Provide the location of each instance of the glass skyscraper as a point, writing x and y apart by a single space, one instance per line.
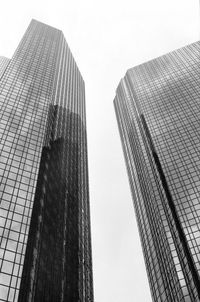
45 251
157 106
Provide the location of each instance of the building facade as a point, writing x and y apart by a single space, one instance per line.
157 106
3 64
44 211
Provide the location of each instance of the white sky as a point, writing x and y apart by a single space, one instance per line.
107 38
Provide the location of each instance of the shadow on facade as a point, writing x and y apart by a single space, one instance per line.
51 266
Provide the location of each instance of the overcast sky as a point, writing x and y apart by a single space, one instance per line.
106 38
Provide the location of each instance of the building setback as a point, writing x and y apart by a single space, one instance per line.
44 211
157 106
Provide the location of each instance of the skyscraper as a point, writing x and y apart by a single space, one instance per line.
157 106
44 210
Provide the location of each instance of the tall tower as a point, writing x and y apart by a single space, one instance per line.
157 106
44 210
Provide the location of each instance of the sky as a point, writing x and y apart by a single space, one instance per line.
106 38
